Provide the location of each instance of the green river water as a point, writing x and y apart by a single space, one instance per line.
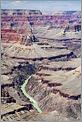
33 102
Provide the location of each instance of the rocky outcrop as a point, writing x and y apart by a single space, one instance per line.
51 98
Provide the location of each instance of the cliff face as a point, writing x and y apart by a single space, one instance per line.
50 98
15 23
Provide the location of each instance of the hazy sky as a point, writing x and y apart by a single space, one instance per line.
43 5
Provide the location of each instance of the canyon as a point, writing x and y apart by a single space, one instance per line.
41 69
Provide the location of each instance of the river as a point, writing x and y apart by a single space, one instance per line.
33 102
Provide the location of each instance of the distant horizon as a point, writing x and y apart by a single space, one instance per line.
46 6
